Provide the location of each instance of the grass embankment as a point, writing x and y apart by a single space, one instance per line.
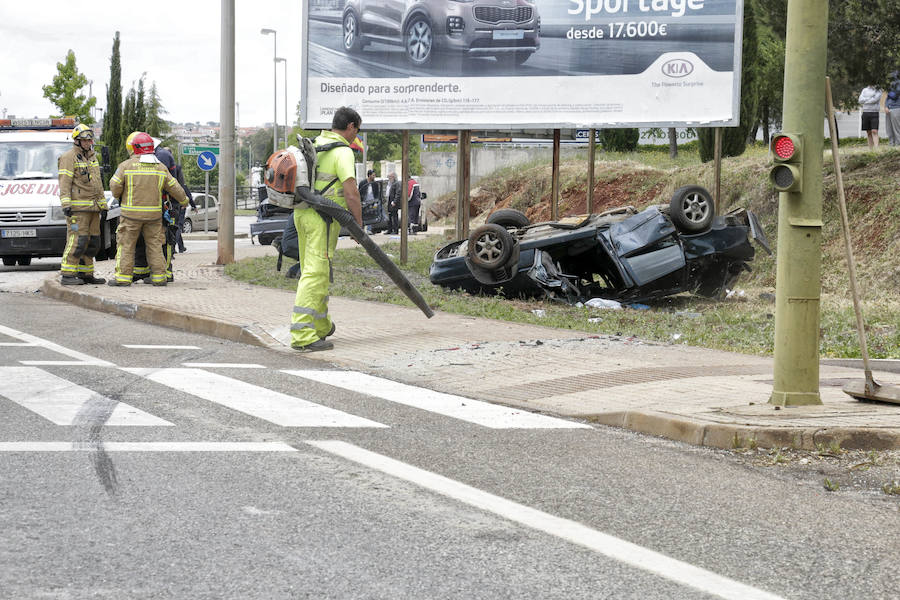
743 323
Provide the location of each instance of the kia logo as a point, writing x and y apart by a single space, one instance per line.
677 67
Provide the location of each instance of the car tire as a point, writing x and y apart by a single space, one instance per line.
9 261
418 41
351 34
692 209
267 239
490 246
24 261
509 218
187 226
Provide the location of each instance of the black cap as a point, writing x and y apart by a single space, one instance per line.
370 172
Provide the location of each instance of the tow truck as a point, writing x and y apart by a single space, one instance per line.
32 224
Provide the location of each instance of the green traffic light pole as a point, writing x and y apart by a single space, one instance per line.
799 254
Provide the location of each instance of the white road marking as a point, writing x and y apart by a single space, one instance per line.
159 347
147 447
83 359
275 407
65 403
201 365
616 548
18 344
457 407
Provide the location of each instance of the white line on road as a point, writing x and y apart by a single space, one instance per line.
83 359
202 365
159 347
571 531
65 403
457 407
18 344
147 447
262 403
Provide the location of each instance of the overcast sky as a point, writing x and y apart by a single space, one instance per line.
177 44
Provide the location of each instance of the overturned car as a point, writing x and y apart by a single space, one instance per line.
620 254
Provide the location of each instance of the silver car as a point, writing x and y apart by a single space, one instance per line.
508 30
204 217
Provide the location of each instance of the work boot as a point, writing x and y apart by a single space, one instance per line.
316 346
71 280
170 278
330 331
93 280
159 283
117 283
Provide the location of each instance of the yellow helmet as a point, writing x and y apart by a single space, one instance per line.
82 132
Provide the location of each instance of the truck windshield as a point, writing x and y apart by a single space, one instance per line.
30 160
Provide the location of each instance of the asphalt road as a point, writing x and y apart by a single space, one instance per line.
217 470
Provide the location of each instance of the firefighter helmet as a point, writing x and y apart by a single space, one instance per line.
82 132
139 142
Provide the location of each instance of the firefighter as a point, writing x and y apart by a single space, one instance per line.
81 195
139 183
336 171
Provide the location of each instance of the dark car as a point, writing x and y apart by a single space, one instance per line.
271 219
621 254
508 30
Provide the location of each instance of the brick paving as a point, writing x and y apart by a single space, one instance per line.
691 394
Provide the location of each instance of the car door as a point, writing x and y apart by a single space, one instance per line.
212 208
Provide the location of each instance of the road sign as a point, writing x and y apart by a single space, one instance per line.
199 149
206 160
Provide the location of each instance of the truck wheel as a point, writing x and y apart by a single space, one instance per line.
24 261
9 261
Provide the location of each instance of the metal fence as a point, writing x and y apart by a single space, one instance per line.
245 197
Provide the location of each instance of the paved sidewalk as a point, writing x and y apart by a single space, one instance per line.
695 395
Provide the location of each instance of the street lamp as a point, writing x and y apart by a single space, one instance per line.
274 33
286 125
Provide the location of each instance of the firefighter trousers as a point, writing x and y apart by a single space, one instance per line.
316 242
82 243
127 235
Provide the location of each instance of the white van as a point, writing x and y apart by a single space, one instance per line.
32 224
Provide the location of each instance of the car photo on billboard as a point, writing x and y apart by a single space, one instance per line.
507 30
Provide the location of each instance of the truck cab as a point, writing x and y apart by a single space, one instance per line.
32 224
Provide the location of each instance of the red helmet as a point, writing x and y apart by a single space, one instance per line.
139 143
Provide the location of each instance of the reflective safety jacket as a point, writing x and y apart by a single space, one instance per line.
80 186
139 184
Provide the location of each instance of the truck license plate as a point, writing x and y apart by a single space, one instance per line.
509 34
18 233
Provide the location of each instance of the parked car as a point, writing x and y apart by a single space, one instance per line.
205 217
621 254
509 30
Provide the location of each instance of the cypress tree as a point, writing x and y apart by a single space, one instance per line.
112 121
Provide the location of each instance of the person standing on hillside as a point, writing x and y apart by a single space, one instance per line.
871 101
393 196
318 236
892 109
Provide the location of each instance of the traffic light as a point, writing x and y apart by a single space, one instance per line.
787 151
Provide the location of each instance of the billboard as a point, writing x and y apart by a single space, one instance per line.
503 64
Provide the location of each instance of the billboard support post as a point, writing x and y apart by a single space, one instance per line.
554 191
718 170
404 198
463 163
591 153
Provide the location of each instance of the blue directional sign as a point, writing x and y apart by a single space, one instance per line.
206 161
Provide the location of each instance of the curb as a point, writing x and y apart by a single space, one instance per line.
728 436
165 317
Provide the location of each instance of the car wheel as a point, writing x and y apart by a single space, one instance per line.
9 261
509 218
352 42
691 209
266 240
24 261
187 226
490 246
419 41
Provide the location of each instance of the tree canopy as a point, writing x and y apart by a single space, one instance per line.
63 92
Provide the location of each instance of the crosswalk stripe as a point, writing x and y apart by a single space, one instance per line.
457 407
65 403
147 447
83 359
269 405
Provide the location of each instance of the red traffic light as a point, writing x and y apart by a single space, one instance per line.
783 147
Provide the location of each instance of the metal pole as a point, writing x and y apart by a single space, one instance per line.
206 201
799 255
591 153
404 197
554 194
287 127
266 31
226 139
